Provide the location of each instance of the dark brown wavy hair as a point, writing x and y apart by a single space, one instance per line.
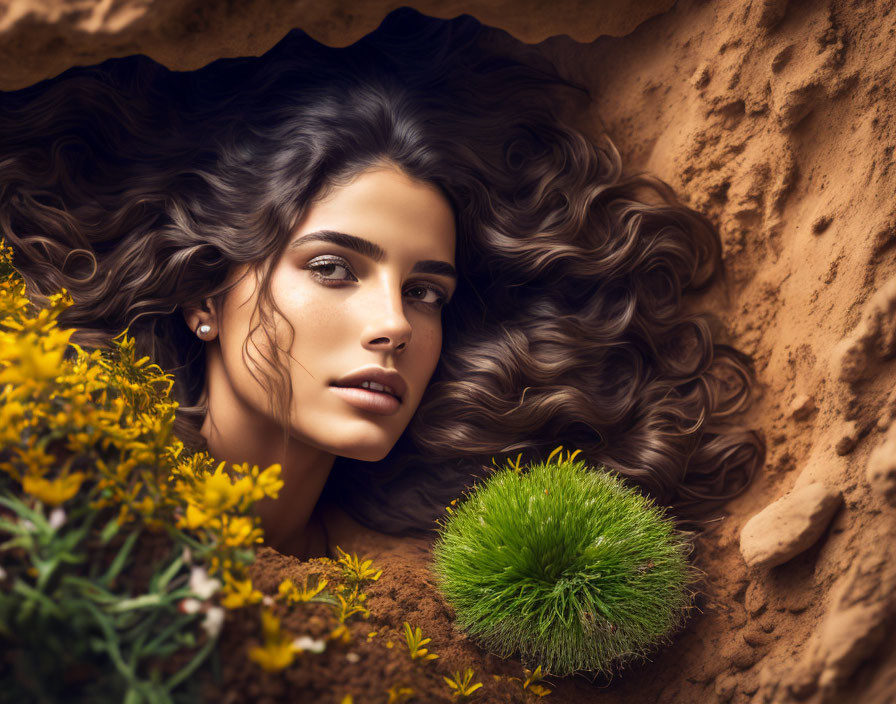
138 189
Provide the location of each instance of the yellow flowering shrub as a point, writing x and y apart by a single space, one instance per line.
89 467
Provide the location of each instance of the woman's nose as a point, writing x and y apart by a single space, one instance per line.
387 325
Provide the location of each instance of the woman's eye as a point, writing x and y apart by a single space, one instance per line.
430 295
323 268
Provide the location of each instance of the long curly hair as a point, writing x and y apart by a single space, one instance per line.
138 189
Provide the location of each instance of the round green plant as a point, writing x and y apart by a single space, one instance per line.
565 565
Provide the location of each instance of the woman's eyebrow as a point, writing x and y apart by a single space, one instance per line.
373 251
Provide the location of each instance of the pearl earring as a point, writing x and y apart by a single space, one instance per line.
203 330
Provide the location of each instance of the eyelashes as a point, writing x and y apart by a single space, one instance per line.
321 266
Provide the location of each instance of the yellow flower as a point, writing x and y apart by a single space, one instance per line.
398 694
415 640
32 358
239 593
194 518
216 493
355 570
286 588
240 530
288 591
36 460
278 650
274 656
270 625
462 683
341 632
53 491
351 606
146 506
268 483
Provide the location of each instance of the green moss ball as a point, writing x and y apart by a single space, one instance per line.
566 566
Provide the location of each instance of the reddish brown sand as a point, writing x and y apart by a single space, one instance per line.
776 119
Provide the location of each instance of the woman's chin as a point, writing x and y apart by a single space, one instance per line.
372 455
372 452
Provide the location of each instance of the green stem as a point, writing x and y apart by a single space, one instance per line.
188 670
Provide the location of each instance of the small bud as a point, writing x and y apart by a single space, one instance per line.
201 584
213 621
312 645
57 518
189 605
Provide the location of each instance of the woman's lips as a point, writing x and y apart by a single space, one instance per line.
377 402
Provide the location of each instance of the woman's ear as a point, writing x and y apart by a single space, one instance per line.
202 320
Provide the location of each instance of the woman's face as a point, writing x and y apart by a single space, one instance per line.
362 283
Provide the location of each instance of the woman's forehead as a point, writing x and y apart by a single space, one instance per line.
389 209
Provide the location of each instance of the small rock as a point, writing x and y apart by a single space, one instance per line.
700 77
847 438
771 12
851 359
821 224
755 636
793 105
848 637
788 526
782 58
769 680
874 339
743 657
802 407
756 600
881 468
802 684
798 601
888 412
749 685
725 686
862 603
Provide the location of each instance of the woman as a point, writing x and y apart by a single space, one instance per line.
272 229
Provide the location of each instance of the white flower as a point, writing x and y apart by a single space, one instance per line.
312 645
190 606
201 584
57 518
214 620
27 525
267 600
187 556
352 657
